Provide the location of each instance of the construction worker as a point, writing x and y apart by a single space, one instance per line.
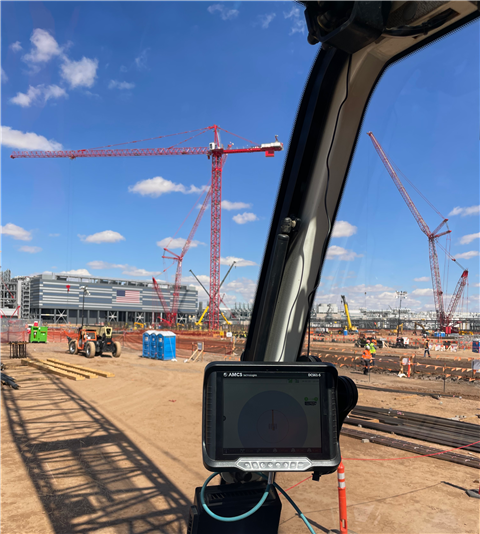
373 351
426 346
366 357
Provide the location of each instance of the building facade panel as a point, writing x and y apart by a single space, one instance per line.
53 296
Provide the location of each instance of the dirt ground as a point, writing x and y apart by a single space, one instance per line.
122 455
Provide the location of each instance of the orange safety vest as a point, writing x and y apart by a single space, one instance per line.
366 354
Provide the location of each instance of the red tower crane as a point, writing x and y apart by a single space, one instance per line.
443 318
215 151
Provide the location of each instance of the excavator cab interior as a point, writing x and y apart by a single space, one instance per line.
357 41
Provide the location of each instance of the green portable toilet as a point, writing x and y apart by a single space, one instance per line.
38 334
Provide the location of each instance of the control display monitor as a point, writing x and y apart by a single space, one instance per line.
270 415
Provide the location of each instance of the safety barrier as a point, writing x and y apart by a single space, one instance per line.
342 499
414 343
396 364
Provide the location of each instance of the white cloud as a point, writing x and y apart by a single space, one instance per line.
135 271
245 287
123 68
141 60
245 217
340 253
464 212
114 84
231 206
204 278
298 23
17 232
54 91
44 47
466 239
422 292
191 281
126 269
38 95
76 272
16 46
4 76
107 236
239 262
155 187
27 140
53 235
343 229
422 279
266 19
177 242
224 12
467 255
98 265
79 73
475 285
30 250
386 295
377 297
363 288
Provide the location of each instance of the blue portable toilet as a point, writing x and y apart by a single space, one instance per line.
476 346
146 343
154 344
166 345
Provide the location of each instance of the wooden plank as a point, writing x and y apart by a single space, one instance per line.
191 357
58 372
105 374
61 366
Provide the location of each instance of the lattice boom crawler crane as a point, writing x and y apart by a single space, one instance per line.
444 318
216 152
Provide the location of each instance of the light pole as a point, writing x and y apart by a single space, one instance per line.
400 295
85 292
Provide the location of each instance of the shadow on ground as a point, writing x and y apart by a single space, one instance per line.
87 473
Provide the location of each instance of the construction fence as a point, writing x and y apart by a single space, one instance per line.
435 343
223 347
408 363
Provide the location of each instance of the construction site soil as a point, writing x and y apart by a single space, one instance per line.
123 455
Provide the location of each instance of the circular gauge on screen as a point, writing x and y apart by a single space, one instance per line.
272 419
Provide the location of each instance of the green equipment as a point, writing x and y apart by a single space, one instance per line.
38 334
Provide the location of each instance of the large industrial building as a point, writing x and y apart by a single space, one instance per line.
60 298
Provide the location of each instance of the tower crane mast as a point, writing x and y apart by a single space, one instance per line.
443 318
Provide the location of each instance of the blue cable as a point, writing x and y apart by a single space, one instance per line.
235 518
296 508
255 508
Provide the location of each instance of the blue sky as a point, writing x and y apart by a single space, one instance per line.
83 75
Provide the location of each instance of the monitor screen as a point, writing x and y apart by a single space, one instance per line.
270 416
274 415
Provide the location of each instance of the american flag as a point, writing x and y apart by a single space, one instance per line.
126 295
